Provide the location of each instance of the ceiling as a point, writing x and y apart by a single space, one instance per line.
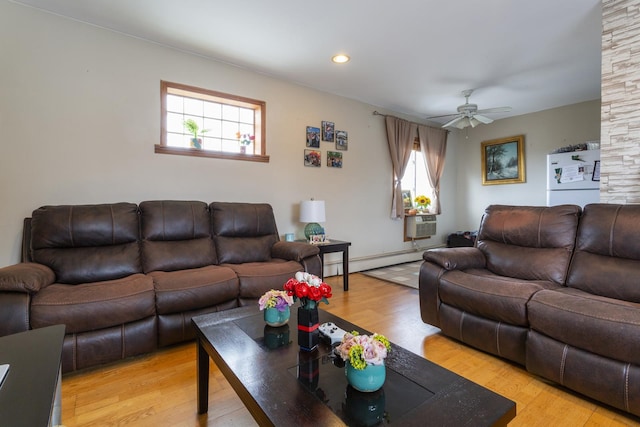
411 57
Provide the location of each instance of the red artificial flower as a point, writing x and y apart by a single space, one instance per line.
326 290
315 293
302 290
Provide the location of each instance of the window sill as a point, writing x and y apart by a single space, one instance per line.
194 152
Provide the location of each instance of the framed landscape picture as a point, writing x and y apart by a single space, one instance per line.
503 161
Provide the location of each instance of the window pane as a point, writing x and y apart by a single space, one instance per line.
230 112
174 103
175 140
214 126
229 130
193 106
174 123
246 115
213 110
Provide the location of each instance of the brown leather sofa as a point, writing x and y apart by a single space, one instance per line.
555 289
126 279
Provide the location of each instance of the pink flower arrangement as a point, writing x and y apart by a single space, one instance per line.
279 300
363 350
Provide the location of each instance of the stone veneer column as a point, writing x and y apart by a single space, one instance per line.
620 113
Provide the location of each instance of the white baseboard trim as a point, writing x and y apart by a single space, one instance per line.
334 267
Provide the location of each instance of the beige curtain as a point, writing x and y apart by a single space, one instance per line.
433 145
400 136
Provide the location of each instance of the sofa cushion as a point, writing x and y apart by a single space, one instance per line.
256 278
604 326
91 306
87 243
176 235
607 258
543 236
187 290
488 295
243 232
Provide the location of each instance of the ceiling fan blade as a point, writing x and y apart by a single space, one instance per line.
482 119
444 115
495 110
453 122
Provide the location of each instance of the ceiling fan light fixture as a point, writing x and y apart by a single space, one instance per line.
340 58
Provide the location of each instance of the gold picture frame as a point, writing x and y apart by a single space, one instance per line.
503 161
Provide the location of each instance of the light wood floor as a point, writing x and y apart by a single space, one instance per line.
160 389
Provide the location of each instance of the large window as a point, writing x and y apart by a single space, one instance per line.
205 123
415 176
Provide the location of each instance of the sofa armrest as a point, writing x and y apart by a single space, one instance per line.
26 277
460 258
293 251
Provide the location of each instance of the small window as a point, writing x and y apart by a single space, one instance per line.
205 123
415 176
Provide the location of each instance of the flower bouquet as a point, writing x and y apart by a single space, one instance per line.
310 290
423 202
364 357
276 305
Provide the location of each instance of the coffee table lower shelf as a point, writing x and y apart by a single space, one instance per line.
281 385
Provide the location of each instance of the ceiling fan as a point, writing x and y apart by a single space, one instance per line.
469 115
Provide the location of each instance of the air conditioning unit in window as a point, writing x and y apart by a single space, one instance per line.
420 226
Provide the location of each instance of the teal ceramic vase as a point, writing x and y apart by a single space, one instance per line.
368 379
275 317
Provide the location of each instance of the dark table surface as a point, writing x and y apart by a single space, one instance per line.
28 392
282 386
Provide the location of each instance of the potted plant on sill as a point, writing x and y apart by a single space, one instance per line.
244 140
192 127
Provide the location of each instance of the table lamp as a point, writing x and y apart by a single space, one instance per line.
312 212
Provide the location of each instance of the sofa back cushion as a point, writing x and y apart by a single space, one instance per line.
243 232
87 243
176 235
607 257
529 242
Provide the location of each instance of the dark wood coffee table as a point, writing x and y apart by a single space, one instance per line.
282 386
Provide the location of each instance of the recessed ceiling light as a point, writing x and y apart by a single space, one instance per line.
340 59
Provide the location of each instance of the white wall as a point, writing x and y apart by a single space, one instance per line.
543 132
80 114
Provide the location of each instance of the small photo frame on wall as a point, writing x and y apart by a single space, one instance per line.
503 161
313 137
334 159
407 201
342 140
312 158
328 131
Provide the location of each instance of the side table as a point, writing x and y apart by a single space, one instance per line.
336 246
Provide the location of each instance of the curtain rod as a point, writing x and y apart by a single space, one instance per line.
375 113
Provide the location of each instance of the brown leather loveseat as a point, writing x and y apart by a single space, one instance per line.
126 279
556 289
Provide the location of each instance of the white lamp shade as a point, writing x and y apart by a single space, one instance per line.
312 211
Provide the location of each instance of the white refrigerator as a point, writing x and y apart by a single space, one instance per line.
573 178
